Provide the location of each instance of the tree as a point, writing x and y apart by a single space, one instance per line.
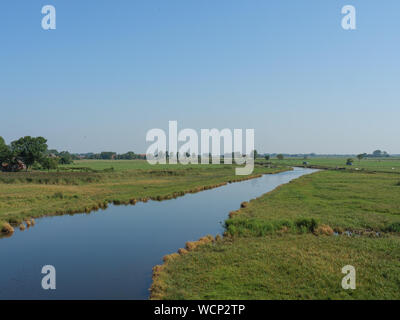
266 157
255 154
108 155
377 153
360 156
29 149
65 157
49 163
4 150
280 156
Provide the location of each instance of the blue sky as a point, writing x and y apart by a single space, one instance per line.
112 70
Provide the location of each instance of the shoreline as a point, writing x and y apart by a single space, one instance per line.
157 286
7 227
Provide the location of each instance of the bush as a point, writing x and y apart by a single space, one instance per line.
306 224
394 227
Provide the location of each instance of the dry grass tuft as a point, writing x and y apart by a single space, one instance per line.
7 228
192 245
22 227
233 213
182 251
323 230
170 257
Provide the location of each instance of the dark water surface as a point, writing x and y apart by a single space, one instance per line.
109 254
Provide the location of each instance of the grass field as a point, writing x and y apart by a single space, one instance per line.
278 246
26 195
281 245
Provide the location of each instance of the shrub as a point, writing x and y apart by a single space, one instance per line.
306 224
7 228
394 227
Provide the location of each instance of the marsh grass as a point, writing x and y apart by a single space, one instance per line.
282 244
289 266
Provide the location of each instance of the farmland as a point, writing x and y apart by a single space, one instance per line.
292 243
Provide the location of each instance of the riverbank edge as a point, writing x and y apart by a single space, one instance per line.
156 288
7 227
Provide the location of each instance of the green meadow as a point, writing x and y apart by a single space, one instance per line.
291 243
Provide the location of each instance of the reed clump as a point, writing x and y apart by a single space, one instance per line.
323 230
182 251
233 213
192 245
158 286
170 257
7 228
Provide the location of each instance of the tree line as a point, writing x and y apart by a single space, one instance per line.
28 152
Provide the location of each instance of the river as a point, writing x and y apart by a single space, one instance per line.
109 254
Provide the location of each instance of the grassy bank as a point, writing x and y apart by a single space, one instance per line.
94 184
282 246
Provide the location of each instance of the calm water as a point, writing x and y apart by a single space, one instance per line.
109 254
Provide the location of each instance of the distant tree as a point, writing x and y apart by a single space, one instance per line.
29 149
8 158
266 157
360 156
255 154
4 150
65 157
280 156
107 155
377 153
49 163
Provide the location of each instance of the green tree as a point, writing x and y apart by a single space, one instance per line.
360 156
65 157
377 153
255 154
280 156
4 150
49 163
267 157
29 149
107 155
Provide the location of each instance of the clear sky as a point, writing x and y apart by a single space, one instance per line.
112 70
